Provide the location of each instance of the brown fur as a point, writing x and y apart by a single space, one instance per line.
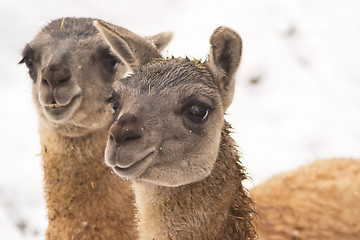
84 200
186 173
69 62
320 201
217 207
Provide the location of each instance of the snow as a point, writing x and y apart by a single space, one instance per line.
297 97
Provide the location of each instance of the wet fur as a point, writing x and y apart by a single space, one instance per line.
217 207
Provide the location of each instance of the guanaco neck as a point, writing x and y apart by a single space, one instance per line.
217 207
83 197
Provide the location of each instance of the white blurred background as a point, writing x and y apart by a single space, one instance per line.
297 97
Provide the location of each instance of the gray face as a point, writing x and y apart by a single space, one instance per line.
72 71
169 114
169 119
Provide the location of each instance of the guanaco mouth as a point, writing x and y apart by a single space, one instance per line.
57 111
135 169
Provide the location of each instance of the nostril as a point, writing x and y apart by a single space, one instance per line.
129 133
111 138
126 129
132 136
55 74
63 81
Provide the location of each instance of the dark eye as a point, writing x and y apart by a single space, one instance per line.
198 113
110 64
28 62
114 106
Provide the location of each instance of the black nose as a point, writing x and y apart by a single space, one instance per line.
126 128
55 74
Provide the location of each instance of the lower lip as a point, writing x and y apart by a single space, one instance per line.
61 110
131 171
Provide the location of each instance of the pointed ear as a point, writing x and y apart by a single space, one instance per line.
224 60
161 40
128 46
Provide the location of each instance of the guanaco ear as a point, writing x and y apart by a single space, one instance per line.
161 40
224 60
129 47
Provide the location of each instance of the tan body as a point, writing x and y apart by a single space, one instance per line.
72 71
170 139
79 190
320 201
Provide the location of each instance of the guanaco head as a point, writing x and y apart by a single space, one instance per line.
169 114
73 69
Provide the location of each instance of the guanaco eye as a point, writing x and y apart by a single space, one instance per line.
28 62
114 106
110 64
109 61
198 113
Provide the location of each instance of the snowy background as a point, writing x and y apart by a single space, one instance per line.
297 98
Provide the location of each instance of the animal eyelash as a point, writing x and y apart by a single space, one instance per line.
109 99
22 60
